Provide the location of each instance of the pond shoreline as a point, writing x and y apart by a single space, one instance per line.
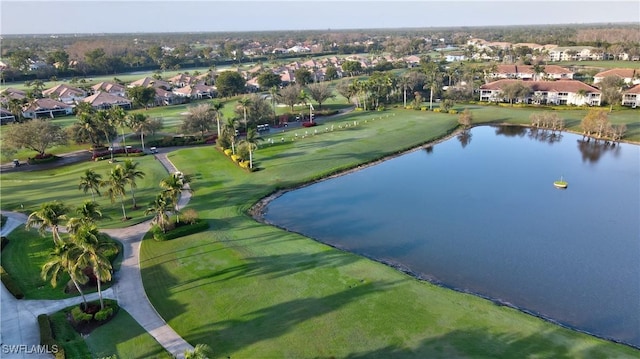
258 210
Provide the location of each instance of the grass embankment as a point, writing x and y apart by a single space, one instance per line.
26 191
251 290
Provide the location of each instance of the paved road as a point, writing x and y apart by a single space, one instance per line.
18 322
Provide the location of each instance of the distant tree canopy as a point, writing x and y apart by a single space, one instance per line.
230 83
141 96
38 135
268 80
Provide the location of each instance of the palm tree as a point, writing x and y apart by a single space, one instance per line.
244 103
216 107
119 118
64 258
92 247
91 181
50 215
139 123
230 132
131 172
173 186
251 141
201 351
88 213
159 208
117 182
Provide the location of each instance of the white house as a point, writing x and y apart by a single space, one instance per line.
631 97
104 100
64 93
46 107
561 92
629 76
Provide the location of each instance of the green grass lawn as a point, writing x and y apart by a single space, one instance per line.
252 290
124 337
26 191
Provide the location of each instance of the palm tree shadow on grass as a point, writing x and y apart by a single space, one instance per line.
273 321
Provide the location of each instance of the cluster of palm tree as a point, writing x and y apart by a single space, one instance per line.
120 176
98 127
167 200
246 146
83 251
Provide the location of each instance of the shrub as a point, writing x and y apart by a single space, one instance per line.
423 108
309 124
228 152
235 158
437 110
381 108
189 216
118 152
182 230
10 284
244 164
42 159
453 112
103 314
46 337
79 315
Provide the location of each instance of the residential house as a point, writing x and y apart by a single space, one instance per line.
6 116
110 87
46 107
182 80
104 100
65 93
151 82
197 91
560 92
11 93
629 76
527 72
573 53
164 97
631 97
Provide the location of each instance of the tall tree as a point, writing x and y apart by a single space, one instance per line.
320 92
611 87
93 245
172 186
118 117
251 141
269 79
303 76
64 259
198 118
216 107
88 213
141 96
244 103
91 181
37 135
116 183
230 83
140 124
290 95
159 208
49 215
131 174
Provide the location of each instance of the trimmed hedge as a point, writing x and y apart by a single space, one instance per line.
42 159
170 141
181 230
46 337
11 285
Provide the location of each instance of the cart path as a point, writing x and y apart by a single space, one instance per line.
18 322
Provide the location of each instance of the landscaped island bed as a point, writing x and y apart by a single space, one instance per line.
251 290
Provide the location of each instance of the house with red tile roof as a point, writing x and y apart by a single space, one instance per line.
11 93
561 92
197 91
182 80
527 72
46 107
629 76
151 82
110 87
164 97
104 100
65 93
631 97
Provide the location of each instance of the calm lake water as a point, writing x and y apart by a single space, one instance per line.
479 213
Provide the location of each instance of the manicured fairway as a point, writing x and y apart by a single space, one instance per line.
253 291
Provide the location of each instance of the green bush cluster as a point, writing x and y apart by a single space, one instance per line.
189 216
79 315
169 141
103 314
36 161
10 284
181 230
47 339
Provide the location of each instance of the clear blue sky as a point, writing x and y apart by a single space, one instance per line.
93 16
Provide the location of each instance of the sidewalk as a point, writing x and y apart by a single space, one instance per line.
18 323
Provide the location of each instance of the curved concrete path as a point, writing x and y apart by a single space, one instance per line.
18 322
